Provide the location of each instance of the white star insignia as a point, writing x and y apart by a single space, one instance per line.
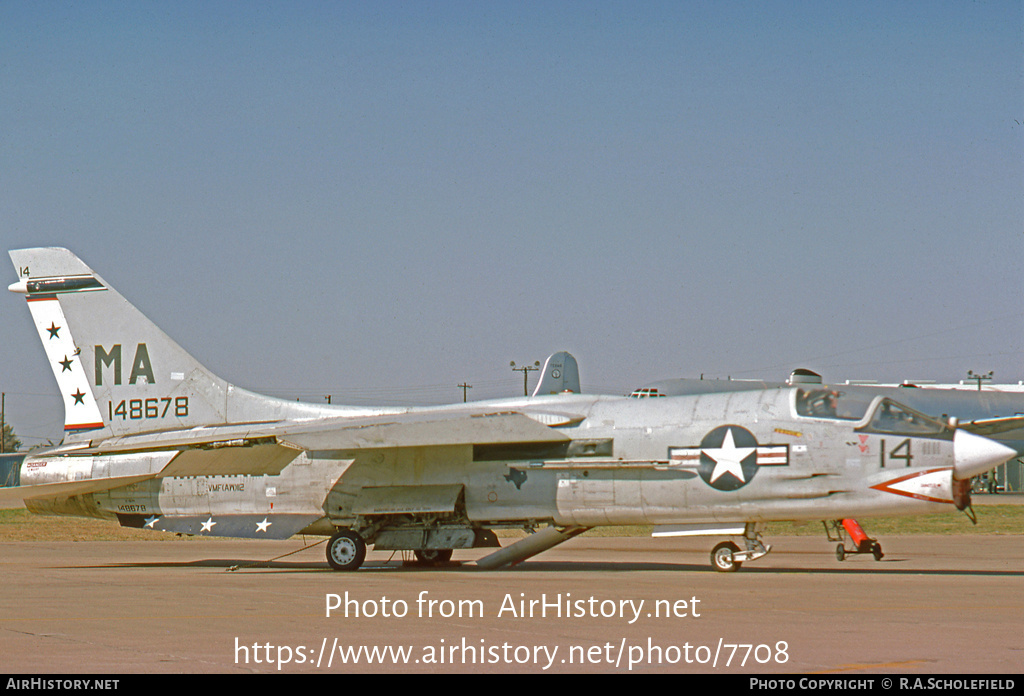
728 458
150 521
262 526
208 525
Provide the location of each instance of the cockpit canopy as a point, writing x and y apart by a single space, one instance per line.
887 417
894 418
832 403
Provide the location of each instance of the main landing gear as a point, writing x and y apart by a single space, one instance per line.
346 550
429 557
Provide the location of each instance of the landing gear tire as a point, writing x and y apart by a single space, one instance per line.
432 556
876 551
346 550
840 552
723 557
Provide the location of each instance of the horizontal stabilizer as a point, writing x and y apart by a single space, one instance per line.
15 497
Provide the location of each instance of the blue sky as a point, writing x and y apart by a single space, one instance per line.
379 201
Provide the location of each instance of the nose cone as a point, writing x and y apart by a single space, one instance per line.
975 455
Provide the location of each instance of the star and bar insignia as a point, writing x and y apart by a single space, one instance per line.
729 457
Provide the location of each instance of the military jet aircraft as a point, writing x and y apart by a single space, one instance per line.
155 441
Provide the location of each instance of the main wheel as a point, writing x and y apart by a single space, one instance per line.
723 557
840 552
433 556
346 550
876 551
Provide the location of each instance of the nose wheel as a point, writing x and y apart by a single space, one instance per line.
723 557
727 557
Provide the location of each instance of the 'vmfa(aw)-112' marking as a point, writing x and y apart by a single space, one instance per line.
178 449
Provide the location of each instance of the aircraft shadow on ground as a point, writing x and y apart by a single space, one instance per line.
251 566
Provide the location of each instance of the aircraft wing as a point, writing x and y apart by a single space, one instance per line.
434 429
256 449
994 426
237 450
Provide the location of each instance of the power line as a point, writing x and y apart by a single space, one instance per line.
524 370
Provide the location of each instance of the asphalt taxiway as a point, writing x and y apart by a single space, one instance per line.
949 604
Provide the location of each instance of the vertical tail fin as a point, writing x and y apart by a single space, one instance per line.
42 285
115 368
560 374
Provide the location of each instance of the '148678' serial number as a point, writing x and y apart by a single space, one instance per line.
137 409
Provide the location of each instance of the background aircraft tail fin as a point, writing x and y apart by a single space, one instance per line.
560 374
115 368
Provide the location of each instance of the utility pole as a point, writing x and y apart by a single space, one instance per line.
991 476
971 374
464 387
524 369
3 420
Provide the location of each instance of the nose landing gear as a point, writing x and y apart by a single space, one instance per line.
727 557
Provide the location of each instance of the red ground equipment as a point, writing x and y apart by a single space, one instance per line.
837 530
